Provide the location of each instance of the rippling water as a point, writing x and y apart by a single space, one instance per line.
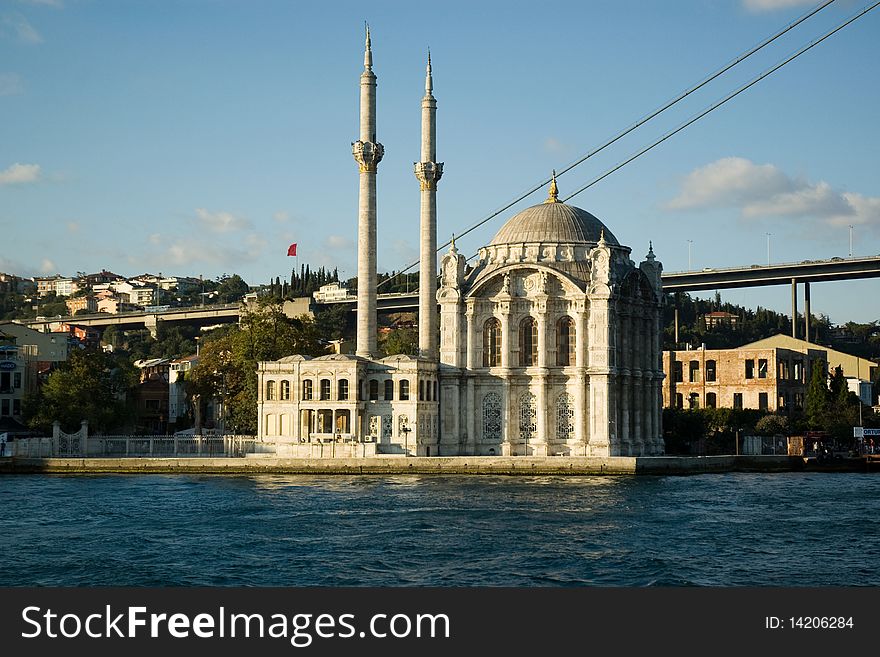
793 529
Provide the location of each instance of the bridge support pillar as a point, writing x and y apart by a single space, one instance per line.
807 311
794 307
151 323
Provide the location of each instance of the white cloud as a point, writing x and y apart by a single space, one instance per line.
404 251
339 242
765 191
72 227
48 267
18 26
773 5
155 238
221 222
10 84
554 146
19 174
282 217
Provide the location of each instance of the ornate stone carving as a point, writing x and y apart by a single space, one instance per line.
428 174
368 155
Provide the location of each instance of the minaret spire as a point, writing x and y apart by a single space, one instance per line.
428 172
367 152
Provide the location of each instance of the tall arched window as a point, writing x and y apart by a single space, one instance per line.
566 342
374 390
404 389
492 416
492 343
528 416
528 342
325 389
285 390
307 390
342 389
564 417
389 389
270 391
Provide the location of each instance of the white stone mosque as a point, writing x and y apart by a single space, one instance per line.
549 345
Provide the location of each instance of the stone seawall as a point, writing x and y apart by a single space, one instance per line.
388 465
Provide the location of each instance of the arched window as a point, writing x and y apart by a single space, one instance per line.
566 342
270 391
492 343
528 416
342 390
325 389
564 417
492 416
528 342
404 390
374 389
389 389
711 400
308 393
285 390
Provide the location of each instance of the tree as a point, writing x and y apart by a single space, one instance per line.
818 403
227 367
90 385
401 341
232 288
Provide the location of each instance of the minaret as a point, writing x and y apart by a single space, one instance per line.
428 173
367 153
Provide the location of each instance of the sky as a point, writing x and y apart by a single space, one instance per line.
202 137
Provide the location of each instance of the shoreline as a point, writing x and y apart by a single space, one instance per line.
437 465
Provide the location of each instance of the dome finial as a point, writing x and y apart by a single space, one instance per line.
602 237
650 257
452 247
368 50
553 196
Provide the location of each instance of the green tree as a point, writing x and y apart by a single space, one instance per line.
231 288
403 340
90 385
818 402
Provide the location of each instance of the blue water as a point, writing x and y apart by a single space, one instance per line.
794 529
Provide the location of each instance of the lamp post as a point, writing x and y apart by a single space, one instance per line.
405 430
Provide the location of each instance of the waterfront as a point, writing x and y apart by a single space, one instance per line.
736 529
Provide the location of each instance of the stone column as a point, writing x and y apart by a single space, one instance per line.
367 153
471 342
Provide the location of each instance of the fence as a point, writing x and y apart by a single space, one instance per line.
73 445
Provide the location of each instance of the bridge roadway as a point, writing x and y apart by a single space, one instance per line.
806 271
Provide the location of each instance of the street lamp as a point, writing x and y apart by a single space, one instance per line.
405 431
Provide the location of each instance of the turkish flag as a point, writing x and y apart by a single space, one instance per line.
291 250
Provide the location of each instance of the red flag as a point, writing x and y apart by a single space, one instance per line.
291 250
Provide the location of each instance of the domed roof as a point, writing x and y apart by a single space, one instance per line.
552 221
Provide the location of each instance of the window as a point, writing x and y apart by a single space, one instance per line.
389 389
325 389
343 419
4 407
711 400
270 391
404 390
528 416
374 389
750 368
308 393
676 372
679 400
762 368
799 400
738 400
16 407
693 401
285 390
342 391
781 402
492 343
782 370
528 342
435 392
762 401
564 417
799 370
492 416
421 391
566 343
694 371
710 370
16 379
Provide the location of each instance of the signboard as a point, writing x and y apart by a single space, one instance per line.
860 432
8 365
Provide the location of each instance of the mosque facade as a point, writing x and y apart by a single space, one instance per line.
549 344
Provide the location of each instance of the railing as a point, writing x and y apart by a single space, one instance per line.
135 446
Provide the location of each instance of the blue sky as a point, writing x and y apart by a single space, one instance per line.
204 136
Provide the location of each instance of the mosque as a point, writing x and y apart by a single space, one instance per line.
548 345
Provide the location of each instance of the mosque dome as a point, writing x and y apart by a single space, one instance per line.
555 222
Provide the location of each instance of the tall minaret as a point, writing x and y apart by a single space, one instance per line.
367 153
428 173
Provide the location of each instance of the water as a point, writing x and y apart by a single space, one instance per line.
794 529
